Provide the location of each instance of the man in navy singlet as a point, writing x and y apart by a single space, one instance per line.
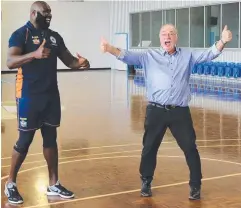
34 50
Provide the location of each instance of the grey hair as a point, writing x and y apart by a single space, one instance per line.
175 29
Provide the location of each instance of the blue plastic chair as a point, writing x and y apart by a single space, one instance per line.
237 71
221 71
200 69
194 69
139 81
228 71
207 69
214 70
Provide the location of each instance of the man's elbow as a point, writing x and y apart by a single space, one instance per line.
10 65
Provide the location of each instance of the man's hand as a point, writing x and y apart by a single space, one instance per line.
42 52
83 62
226 35
16 59
104 45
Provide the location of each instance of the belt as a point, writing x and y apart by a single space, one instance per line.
167 107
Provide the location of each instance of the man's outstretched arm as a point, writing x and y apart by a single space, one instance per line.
128 57
73 62
214 51
68 59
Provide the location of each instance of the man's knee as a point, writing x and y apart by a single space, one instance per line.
24 141
49 135
190 148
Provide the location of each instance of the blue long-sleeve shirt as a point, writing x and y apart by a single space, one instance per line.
167 76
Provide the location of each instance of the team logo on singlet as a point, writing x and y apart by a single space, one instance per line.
36 40
23 122
53 40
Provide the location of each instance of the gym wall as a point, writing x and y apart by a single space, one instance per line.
81 24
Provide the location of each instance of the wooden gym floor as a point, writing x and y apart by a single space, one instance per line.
100 142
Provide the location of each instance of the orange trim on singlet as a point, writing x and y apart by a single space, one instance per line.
19 83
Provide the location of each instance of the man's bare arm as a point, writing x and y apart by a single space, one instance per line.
72 62
16 59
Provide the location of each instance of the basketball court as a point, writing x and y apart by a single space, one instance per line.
100 142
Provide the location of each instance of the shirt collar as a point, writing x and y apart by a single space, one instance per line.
163 52
31 26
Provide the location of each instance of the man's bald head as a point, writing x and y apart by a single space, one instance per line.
168 37
40 14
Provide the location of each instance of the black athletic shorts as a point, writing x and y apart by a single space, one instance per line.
37 110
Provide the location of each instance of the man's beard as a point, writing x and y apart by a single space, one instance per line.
41 21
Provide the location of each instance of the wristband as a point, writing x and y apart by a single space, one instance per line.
222 42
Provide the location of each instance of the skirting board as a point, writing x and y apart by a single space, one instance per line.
59 70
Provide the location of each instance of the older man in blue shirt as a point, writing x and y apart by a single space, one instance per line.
167 72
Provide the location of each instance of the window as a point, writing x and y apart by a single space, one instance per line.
169 17
197 27
183 27
212 24
230 17
145 29
135 30
156 26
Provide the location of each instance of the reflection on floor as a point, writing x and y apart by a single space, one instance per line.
100 142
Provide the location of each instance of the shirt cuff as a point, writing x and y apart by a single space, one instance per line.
215 50
122 54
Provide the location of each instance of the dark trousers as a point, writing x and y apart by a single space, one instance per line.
179 121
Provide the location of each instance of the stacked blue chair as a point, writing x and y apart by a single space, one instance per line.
139 81
221 70
237 75
217 78
237 71
139 78
228 71
213 78
194 69
214 70
200 69
207 69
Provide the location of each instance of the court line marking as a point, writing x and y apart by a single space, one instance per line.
123 145
109 153
114 157
85 148
130 191
106 153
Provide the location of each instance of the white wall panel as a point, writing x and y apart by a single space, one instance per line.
81 24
